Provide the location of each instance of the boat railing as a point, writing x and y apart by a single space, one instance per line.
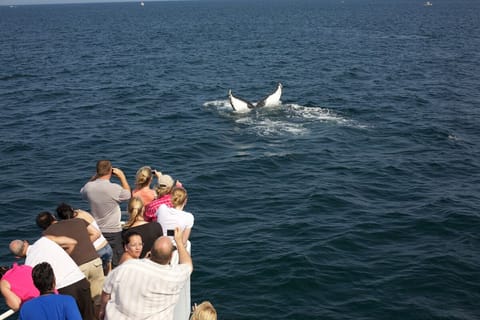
6 314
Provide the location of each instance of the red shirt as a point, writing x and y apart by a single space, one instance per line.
151 208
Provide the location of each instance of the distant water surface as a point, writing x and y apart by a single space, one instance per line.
357 198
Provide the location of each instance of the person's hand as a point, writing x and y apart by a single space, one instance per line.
194 307
117 172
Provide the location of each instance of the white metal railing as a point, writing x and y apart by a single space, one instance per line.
6 314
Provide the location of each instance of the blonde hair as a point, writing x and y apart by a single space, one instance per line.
135 210
179 196
162 190
204 311
143 177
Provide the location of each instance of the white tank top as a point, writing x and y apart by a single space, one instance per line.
97 243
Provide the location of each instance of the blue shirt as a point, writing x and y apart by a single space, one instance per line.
50 307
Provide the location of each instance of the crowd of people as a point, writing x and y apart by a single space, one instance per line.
87 265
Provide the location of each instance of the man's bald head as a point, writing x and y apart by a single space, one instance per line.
19 247
162 249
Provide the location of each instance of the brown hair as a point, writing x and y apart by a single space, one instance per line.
43 277
45 219
104 167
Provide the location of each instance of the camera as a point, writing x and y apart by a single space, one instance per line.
170 232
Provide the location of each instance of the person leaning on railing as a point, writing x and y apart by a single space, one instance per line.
16 285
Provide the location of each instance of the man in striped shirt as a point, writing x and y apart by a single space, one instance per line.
147 288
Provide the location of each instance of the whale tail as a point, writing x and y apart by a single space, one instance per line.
272 99
239 104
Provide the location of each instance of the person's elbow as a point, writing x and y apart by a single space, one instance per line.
14 303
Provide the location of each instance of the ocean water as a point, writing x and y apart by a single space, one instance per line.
357 198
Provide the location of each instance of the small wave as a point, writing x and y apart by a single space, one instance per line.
15 76
267 127
403 36
223 104
314 113
453 137
317 113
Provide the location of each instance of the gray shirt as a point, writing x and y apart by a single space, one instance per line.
104 198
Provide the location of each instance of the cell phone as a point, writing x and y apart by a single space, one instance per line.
170 232
154 171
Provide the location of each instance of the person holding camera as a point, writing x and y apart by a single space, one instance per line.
170 218
154 279
143 180
104 198
163 189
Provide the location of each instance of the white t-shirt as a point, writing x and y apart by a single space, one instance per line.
65 269
170 218
97 243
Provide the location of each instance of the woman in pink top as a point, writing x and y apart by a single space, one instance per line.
163 189
17 285
143 180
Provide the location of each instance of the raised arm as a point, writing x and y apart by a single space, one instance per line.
186 235
121 176
183 255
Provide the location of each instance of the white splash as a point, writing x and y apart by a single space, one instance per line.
291 119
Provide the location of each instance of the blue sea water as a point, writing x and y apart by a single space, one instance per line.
357 198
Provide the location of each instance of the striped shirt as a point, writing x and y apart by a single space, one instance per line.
143 289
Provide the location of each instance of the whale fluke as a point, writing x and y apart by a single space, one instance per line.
239 104
272 99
